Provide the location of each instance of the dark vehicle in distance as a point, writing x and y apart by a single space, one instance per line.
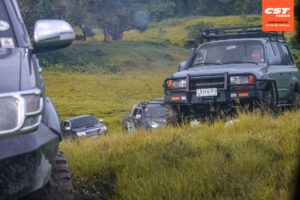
147 115
82 126
31 165
241 65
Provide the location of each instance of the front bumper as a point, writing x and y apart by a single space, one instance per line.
227 94
26 161
223 97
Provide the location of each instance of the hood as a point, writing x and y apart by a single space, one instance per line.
244 68
10 70
84 128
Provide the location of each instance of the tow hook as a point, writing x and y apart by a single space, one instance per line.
212 108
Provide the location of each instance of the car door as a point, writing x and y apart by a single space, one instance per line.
279 69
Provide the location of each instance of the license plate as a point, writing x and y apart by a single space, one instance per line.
209 92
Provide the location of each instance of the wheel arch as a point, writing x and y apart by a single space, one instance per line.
294 86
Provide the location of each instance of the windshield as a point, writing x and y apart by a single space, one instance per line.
84 121
230 52
155 111
7 37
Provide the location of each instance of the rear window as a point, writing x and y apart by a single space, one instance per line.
84 121
7 36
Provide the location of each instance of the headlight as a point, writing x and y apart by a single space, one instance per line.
240 80
181 83
81 134
154 125
11 114
20 111
103 129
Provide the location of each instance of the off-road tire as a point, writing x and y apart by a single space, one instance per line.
295 103
60 184
267 102
172 116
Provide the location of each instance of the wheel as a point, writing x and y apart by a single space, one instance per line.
60 185
267 102
295 103
130 126
172 115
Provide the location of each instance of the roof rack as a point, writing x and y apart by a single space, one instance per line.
235 32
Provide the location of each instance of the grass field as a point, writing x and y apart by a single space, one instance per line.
110 95
255 158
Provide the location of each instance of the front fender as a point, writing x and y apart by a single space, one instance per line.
263 84
50 117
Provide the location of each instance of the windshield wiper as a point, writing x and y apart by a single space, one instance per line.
240 61
90 125
206 63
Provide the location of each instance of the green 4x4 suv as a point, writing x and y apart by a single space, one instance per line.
242 64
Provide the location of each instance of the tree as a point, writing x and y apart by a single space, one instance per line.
112 17
77 15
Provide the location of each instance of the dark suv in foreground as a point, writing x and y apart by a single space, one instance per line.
237 65
31 165
83 126
147 115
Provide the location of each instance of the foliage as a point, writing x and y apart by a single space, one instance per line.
115 17
94 57
176 30
255 158
193 30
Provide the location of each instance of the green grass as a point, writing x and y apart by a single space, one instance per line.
107 95
253 159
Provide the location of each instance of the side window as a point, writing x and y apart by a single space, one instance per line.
286 56
273 54
139 112
134 112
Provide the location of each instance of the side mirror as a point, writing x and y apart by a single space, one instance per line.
138 116
51 35
181 66
101 120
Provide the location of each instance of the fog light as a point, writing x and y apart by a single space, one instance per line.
175 98
233 95
243 94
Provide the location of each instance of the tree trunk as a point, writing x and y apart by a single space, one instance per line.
106 35
83 32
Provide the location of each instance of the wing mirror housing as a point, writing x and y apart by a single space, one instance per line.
52 34
101 120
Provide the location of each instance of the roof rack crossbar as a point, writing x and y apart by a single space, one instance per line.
237 32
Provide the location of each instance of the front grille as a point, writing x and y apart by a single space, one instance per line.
208 81
11 115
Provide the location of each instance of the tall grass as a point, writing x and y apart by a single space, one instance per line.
254 158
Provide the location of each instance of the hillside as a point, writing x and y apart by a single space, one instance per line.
134 71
